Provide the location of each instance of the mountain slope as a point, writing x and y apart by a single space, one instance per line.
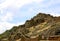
41 24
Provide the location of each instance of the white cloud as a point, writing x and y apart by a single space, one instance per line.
20 3
8 16
6 3
16 3
1 11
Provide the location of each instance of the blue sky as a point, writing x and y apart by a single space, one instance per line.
16 12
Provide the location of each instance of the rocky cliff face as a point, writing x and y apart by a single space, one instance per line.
40 25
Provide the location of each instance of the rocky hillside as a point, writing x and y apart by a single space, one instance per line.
40 25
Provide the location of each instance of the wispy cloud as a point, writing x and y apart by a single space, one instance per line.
7 17
16 3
